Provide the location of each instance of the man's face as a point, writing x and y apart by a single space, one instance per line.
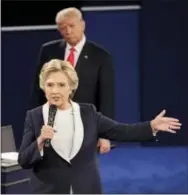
72 29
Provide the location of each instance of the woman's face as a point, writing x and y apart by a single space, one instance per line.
57 89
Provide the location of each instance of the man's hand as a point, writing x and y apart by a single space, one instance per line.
104 145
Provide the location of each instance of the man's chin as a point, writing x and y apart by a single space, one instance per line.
72 41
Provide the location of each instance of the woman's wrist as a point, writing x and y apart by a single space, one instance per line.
153 126
40 142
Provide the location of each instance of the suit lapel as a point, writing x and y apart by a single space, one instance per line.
83 58
61 50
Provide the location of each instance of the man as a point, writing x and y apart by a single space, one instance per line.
92 63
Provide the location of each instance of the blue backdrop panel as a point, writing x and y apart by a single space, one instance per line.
118 31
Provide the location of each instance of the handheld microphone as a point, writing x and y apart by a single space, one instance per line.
51 118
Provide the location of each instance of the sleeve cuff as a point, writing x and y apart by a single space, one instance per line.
42 153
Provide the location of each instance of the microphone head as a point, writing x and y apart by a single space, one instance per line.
51 114
53 107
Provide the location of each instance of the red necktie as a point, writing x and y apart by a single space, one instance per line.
71 56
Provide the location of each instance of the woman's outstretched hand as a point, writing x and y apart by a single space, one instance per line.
162 123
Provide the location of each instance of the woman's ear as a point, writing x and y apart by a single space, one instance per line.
72 93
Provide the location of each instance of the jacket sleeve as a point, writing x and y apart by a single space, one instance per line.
106 88
112 130
29 153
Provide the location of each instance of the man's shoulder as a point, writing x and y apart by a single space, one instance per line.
98 48
53 43
91 44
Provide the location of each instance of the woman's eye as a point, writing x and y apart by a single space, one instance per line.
49 84
62 85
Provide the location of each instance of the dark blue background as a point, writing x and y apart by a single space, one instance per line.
164 63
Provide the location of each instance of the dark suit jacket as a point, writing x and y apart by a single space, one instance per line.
95 72
52 174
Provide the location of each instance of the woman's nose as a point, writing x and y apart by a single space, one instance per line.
55 89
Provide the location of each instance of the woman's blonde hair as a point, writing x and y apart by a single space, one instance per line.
56 65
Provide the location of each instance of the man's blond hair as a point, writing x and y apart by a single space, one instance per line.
68 12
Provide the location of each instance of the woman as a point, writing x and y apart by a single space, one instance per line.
70 163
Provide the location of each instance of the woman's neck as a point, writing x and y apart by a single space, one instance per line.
65 106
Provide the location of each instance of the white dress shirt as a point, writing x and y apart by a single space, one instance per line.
78 48
62 141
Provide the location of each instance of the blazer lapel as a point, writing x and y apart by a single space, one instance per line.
78 138
38 121
79 130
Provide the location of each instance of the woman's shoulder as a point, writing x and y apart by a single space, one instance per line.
87 106
37 109
83 106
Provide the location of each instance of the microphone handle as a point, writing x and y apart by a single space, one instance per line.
47 141
51 118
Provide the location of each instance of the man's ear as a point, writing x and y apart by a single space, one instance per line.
83 25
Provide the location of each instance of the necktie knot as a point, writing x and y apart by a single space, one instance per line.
72 49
